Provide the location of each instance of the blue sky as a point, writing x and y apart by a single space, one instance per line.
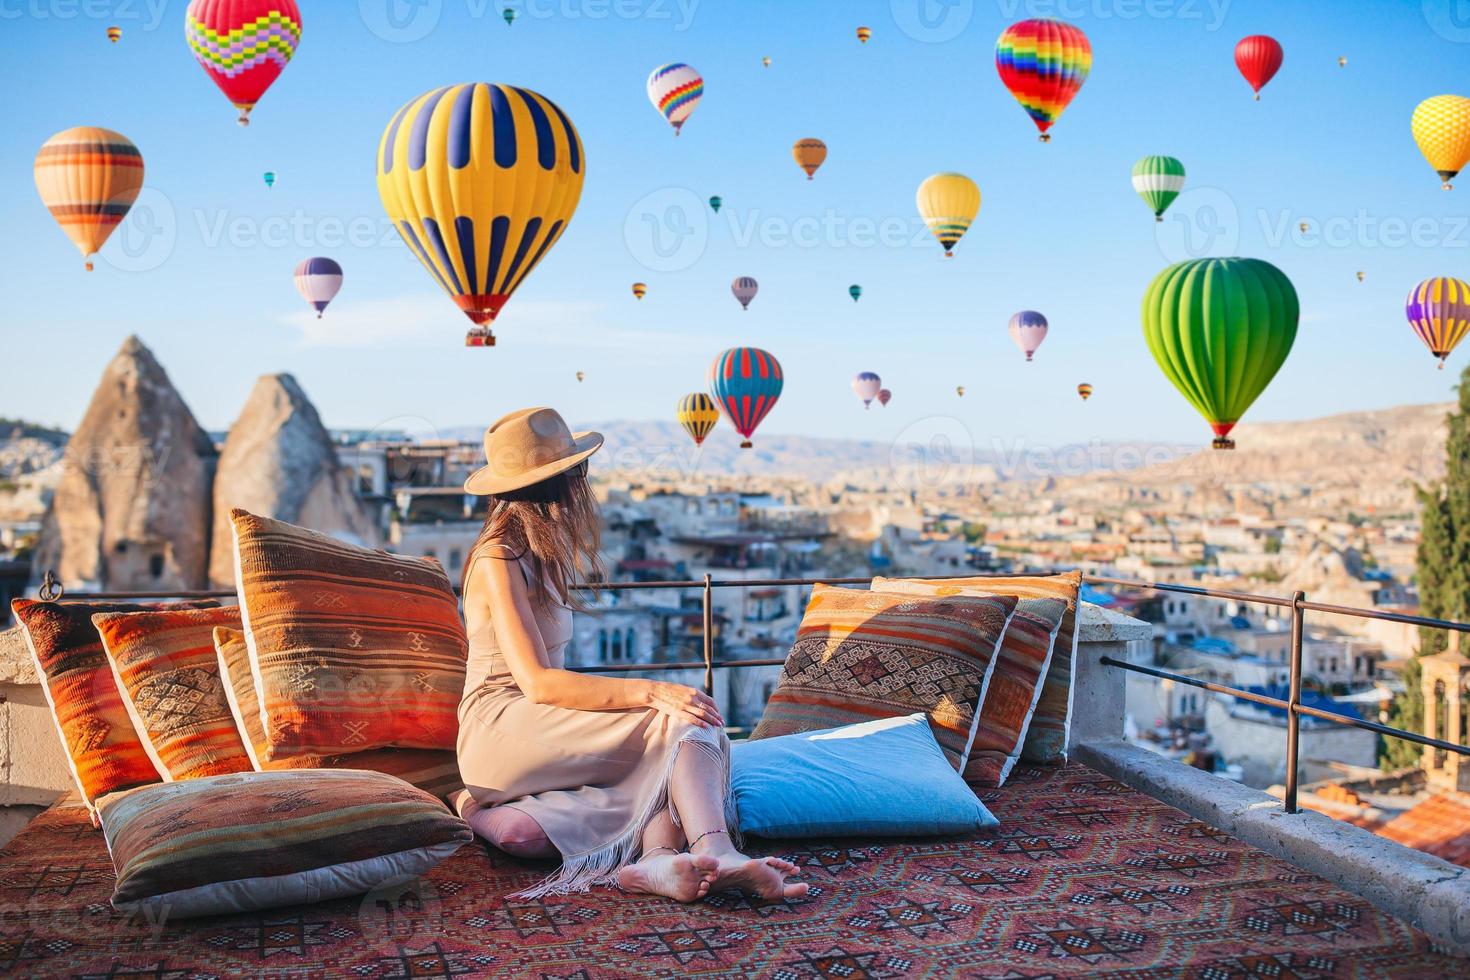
202 271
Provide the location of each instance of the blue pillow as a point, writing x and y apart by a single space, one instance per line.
885 777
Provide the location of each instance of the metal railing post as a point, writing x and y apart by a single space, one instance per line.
709 637
1293 702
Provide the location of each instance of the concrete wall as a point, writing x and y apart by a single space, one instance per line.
33 768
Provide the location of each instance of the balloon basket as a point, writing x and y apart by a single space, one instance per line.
87 265
1221 442
1258 96
1046 137
1159 218
745 444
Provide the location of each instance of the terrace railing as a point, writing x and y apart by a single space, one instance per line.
1297 605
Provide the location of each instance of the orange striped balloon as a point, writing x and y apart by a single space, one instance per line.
88 178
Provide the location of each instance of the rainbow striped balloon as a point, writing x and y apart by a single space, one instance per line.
675 89
698 415
1043 63
745 382
88 178
243 45
1439 312
480 180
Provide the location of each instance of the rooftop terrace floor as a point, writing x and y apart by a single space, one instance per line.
1084 876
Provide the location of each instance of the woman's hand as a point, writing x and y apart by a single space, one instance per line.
684 703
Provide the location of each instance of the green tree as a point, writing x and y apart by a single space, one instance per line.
1442 573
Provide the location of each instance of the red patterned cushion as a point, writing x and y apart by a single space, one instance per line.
863 655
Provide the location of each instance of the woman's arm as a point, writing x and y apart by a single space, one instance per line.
502 587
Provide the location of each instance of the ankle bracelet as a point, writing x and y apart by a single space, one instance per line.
707 833
660 848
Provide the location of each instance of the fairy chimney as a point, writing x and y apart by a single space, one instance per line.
278 461
131 510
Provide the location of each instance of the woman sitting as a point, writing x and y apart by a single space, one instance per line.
627 780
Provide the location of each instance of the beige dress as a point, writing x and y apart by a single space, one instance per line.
592 779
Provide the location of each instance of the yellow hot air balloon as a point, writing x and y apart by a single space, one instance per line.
948 202
1085 390
580 376
863 33
640 290
809 154
480 180
1360 276
1304 226
766 62
1342 62
114 34
1441 127
88 178
697 414
960 390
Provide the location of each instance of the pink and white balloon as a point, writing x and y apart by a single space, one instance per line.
1028 330
744 289
866 386
318 280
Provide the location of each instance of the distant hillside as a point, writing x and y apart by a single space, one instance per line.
15 429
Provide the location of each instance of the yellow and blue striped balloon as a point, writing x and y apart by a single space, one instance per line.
698 415
480 180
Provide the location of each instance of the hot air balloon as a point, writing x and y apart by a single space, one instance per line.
243 45
88 178
1360 276
270 178
675 89
766 62
1085 390
948 202
744 289
1304 226
1220 329
960 390
855 291
1258 57
318 280
1028 330
114 34
1342 62
809 154
698 415
866 385
1439 311
640 290
1441 127
1043 63
715 202
1158 180
480 180
509 16
863 33
745 382
884 397
580 376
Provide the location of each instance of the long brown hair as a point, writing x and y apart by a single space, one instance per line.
554 523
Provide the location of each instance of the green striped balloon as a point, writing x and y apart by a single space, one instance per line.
1158 180
1220 329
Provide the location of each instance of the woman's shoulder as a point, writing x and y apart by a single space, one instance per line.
497 553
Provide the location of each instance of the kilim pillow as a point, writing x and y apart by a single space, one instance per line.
105 751
1046 736
259 840
1015 687
165 666
434 771
351 648
861 655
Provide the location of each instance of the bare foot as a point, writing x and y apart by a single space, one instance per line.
763 877
682 877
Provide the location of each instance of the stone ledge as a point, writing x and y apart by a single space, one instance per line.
15 659
1098 625
1430 894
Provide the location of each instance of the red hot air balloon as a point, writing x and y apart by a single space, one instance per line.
243 45
884 397
745 383
1258 57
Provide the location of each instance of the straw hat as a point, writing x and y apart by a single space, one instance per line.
529 446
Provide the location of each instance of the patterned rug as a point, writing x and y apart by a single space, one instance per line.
1083 877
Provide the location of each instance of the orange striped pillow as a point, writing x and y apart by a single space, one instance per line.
350 648
1046 736
433 770
104 749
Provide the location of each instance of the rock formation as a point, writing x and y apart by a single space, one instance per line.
131 509
279 462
